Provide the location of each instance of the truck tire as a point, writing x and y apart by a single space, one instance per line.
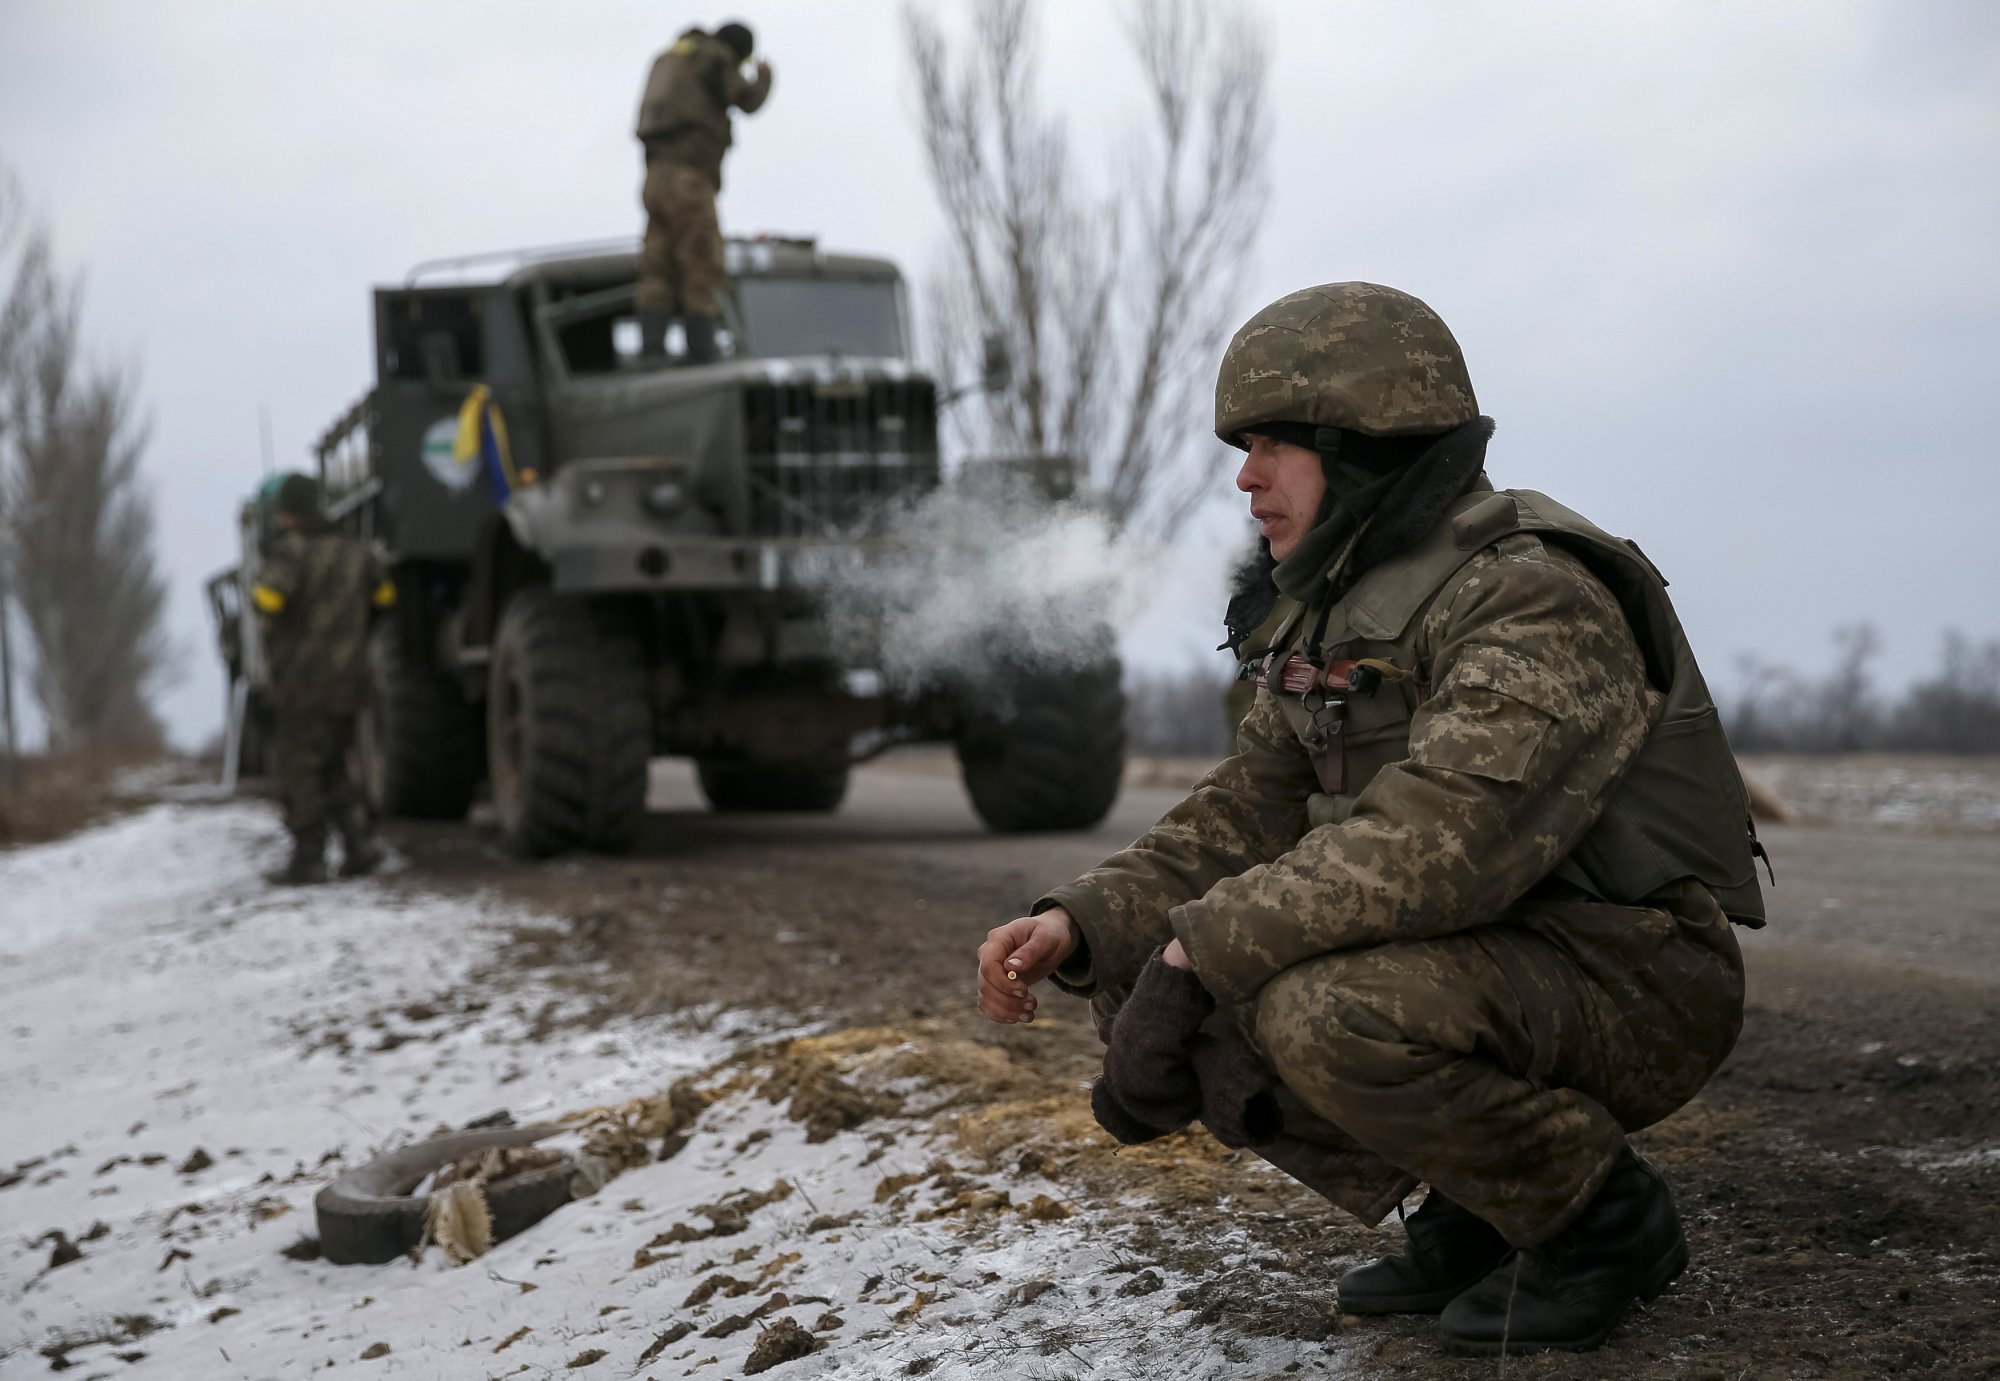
568 727
736 786
1056 762
420 742
368 1216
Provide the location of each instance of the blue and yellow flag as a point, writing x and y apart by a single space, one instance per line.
482 435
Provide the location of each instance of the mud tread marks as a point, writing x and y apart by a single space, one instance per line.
432 756
1057 762
586 725
731 786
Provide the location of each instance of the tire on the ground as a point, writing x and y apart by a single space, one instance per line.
1056 758
421 745
737 786
368 1216
569 726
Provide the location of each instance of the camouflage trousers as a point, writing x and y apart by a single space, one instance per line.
1503 1065
310 753
681 262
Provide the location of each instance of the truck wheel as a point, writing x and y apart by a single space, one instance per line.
735 786
1056 762
419 740
568 727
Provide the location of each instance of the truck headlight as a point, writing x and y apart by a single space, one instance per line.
664 498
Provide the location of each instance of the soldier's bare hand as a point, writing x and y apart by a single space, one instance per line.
763 67
1018 955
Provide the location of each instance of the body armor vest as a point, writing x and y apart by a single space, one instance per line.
1679 811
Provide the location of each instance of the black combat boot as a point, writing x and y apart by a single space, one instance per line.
700 332
1570 1291
1450 1248
360 855
302 870
652 333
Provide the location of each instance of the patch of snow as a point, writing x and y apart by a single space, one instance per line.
1910 791
159 999
1918 1158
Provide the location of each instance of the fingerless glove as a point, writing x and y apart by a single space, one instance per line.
1149 1088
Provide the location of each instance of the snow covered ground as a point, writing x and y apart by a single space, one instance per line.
1915 790
190 1055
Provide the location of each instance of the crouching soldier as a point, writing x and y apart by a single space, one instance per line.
316 589
1458 910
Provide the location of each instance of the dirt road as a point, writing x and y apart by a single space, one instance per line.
1840 1179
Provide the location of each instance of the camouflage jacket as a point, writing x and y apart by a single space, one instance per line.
1527 701
684 113
316 590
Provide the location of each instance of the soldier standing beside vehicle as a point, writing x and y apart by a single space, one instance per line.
684 124
1458 910
316 590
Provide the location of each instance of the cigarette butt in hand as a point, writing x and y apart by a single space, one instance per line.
1012 976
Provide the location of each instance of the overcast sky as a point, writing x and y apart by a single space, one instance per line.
1726 274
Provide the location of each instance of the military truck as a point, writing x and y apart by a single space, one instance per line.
602 556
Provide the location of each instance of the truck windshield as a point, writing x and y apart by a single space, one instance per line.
817 316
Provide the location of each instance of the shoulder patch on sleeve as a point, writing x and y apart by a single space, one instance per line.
1506 672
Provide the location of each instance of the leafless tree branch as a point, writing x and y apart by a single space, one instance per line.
1111 307
76 512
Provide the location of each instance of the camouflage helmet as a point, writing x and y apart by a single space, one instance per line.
295 494
1353 355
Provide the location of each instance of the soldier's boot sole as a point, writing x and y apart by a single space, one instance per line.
1657 1279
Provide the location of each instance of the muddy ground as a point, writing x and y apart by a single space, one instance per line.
1840 1179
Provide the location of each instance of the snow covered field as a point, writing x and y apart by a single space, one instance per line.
1913 791
190 1055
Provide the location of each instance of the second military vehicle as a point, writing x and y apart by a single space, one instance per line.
602 556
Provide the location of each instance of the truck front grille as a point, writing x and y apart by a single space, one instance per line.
829 459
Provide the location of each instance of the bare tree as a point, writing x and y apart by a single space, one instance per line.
1111 306
1957 710
11 221
1183 712
1858 706
73 505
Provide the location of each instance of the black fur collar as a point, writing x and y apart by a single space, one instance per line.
1414 505
1252 597
1417 501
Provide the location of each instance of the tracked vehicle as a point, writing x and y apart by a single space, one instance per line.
601 557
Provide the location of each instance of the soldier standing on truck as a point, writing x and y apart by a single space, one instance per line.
316 589
1459 909
684 124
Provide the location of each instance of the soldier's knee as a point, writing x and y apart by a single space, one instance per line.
1326 1036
